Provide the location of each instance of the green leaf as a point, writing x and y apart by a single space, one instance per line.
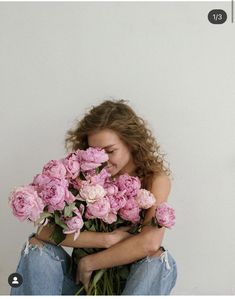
43 216
92 228
87 224
57 235
59 222
79 291
68 210
90 225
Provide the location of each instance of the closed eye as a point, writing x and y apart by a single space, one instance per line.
109 152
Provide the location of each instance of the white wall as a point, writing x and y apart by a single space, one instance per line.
177 70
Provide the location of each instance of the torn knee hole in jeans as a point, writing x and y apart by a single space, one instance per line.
33 244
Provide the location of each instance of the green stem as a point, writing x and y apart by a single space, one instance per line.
79 291
102 226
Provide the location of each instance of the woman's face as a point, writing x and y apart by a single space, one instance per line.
120 158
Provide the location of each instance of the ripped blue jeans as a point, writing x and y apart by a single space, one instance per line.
46 270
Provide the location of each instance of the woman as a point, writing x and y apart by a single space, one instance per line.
115 127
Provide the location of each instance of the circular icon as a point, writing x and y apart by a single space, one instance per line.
15 280
217 16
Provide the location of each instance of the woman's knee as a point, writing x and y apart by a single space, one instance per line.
36 242
41 271
152 276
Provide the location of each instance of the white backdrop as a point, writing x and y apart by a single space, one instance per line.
177 71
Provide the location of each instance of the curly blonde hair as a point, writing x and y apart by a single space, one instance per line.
118 116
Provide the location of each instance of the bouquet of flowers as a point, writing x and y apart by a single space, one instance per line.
77 193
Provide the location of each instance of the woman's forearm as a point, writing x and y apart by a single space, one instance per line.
144 244
85 239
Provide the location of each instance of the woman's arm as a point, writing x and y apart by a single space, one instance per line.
87 239
146 243
125 252
121 253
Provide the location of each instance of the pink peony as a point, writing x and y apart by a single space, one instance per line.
99 178
92 193
91 158
116 201
145 199
111 189
25 203
88 215
72 165
165 215
74 224
40 180
81 209
110 218
130 211
128 183
98 209
53 191
54 169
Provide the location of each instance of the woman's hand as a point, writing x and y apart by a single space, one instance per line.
83 274
118 235
84 268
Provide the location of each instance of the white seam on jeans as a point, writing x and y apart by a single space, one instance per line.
26 250
28 245
164 257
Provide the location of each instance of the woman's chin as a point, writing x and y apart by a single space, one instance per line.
112 171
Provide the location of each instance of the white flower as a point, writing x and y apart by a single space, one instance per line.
92 193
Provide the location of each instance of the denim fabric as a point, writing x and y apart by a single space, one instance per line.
47 271
152 276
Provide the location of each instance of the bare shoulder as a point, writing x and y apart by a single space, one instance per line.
160 187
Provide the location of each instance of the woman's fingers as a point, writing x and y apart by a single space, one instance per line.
83 275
